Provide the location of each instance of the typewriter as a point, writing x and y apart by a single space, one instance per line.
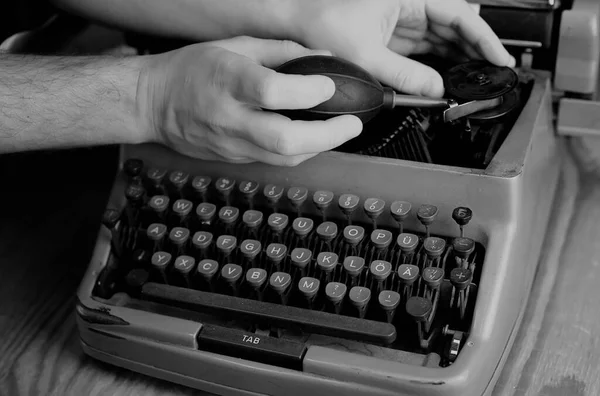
397 264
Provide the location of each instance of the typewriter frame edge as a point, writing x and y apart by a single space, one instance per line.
432 386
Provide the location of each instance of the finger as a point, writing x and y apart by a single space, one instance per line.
241 151
450 36
258 86
280 135
458 15
403 74
269 53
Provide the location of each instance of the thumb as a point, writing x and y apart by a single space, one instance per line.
404 75
269 53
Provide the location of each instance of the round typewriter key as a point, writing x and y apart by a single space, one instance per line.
297 196
202 239
226 243
184 264
348 203
160 262
200 184
110 218
159 203
276 252
135 193
461 278
327 231
156 176
354 265
250 248
408 273
374 207
419 308
179 236
256 277
381 239
252 218
301 257
182 208
248 189
273 193
360 297
479 80
354 234
327 261
302 226
179 179
280 282
427 214
207 269
231 273
309 287
322 199
380 269
335 291
389 300
434 247
462 216
133 167
400 210
407 242
277 221
206 211
224 186
463 247
229 214
433 276
156 231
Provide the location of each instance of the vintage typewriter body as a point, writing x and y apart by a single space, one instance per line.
398 264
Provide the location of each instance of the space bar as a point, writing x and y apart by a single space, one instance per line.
272 314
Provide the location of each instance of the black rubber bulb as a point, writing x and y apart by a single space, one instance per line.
356 91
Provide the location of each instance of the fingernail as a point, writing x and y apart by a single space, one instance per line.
327 87
434 86
512 62
322 52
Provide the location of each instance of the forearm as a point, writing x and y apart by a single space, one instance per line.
56 102
198 20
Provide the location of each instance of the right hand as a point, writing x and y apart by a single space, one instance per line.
206 101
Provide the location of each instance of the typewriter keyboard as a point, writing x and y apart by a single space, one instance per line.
293 262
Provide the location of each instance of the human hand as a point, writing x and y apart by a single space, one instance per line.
378 35
206 101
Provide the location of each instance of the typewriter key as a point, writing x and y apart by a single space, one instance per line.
200 186
309 288
463 247
389 301
297 196
133 168
479 80
335 293
348 203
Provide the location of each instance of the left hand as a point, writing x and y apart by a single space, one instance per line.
379 34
